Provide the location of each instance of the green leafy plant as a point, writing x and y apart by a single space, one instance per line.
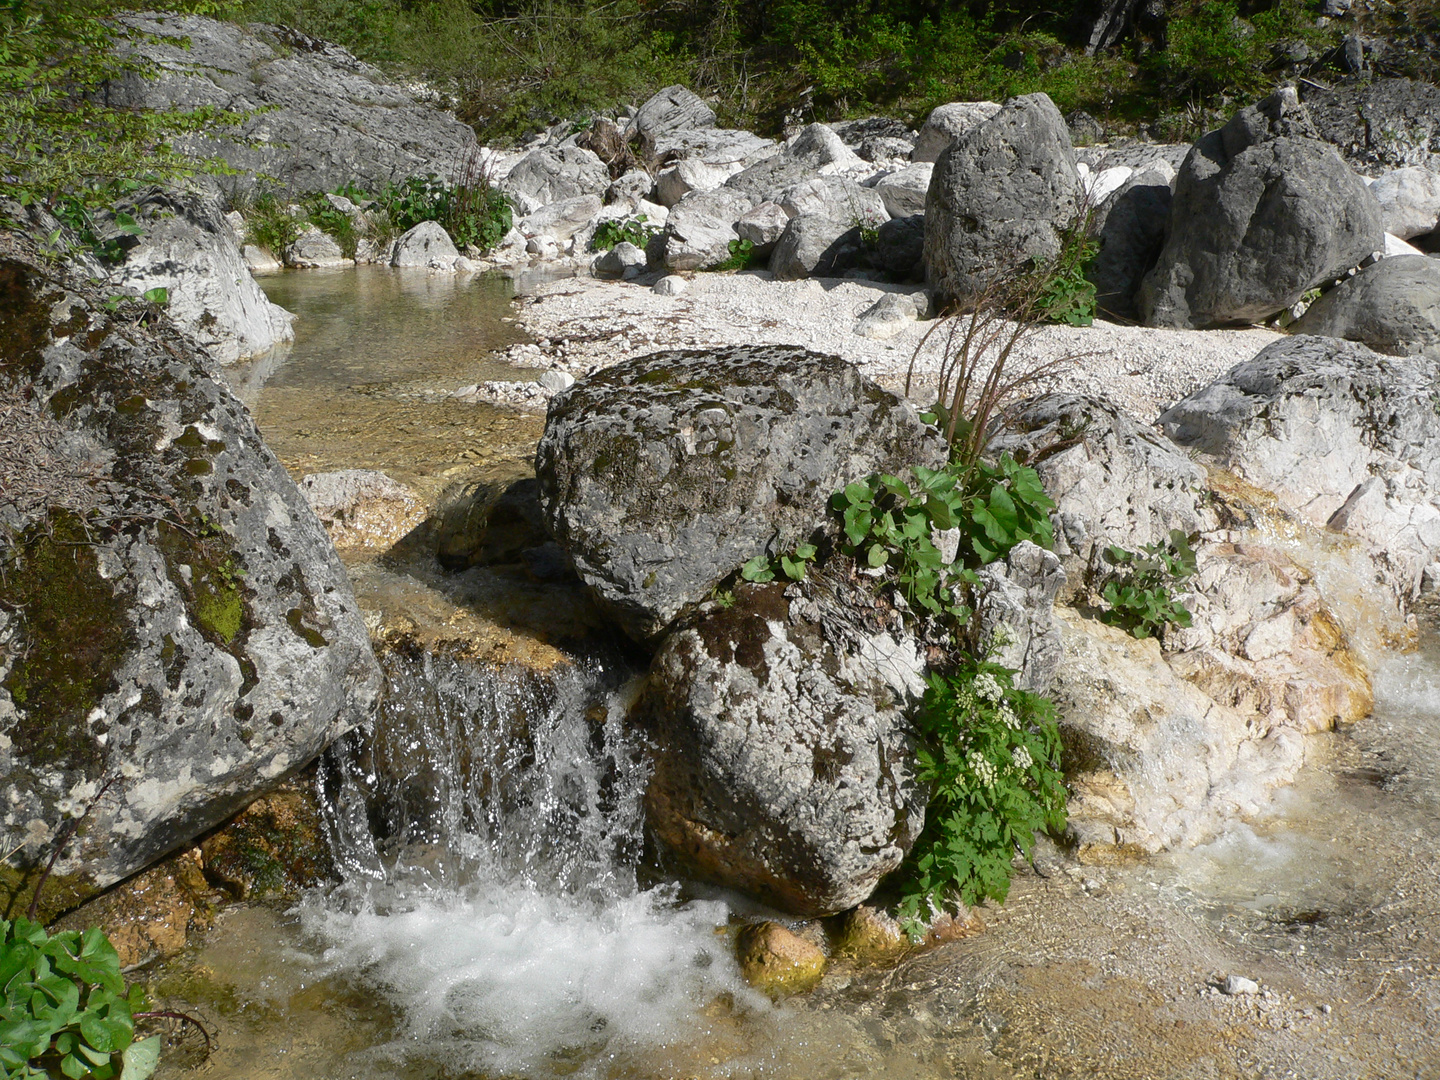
270 224
333 222
472 213
1141 587
762 568
66 1011
992 757
159 296
742 257
614 231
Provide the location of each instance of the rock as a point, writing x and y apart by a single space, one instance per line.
634 186
673 109
816 148
316 117
361 508
888 316
313 250
777 962
947 123
663 474
560 221
1263 211
1409 201
555 174
669 285
555 381
188 249
763 226
276 847
1000 194
1393 306
686 176
816 245
1130 227
903 192
900 247
624 260
1344 436
1237 984
260 261
1085 130
856 133
782 756
179 632
870 935
1379 123
423 245
885 149
837 198
819 146
1016 613
1395 246
722 147
701 226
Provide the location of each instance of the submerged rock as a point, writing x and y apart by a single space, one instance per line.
777 961
663 474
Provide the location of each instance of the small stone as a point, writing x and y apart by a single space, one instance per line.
1325 1009
777 961
556 380
1235 985
670 285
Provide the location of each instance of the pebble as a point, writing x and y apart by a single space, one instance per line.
1238 984
555 381
670 285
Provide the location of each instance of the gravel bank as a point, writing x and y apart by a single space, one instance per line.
582 323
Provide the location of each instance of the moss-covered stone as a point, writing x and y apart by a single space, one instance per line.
779 962
276 846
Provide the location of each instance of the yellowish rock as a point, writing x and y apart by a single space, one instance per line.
778 961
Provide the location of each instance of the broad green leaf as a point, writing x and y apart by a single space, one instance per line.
141 1059
877 555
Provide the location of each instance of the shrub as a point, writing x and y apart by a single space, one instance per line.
634 230
1141 586
335 223
271 224
742 257
472 213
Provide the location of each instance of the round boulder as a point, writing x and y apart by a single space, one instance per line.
1392 306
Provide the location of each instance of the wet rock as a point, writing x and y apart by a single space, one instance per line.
1409 201
361 508
816 245
663 474
781 749
1392 306
778 962
869 934
946 123
1263 211
188 248
999 195
1344 436
179 632
423 245
555 174
276 847
904 192
314 250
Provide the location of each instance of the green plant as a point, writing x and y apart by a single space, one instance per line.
77 211
66 1011
742 257
1141 588
271 224
614 231
762 568
992 757
321 213
472 213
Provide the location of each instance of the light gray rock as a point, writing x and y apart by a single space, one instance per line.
663 474
835 197
188 248
423 245
555 174
887 317
1238 984
669 285
1409 201
178 632
946 123
814 149
1016 613
725 148
816 245
1344 436
317 117
1165 158
819 146
624 260
1130 228
701 226
999 195
635 186
673 109
763 226
314 250
904 192
555 381
1393 306
562 220
1263 211
782 756
674 183
259 260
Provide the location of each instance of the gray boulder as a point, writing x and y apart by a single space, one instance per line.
812 150
816 245
561 220
900 247
999 195
1130 228
856 133
179 634
686 176
317 117
1378 123
782 756
555 174
635 186
423 245
890 315
1409 201
904 192
624 260
1343 435
188 248
313 250
673 109
725 148
700 227
1392 306
837 197
1263 211
762 227
663 474
946 123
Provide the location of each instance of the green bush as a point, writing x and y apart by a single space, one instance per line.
475 214
742 257
66 1011
634 230
1141 586
335 223
270 224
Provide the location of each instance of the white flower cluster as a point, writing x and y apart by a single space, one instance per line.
1008 717
988 687
984 771
1022 758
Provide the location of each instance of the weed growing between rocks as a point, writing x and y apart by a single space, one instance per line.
472 212
633 230
1141 586
270 224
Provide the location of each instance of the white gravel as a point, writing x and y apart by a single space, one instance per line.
582 324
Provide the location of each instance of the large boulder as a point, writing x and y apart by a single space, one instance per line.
1409 201
999 195
316 117
426 244
673 109
554 174
663 474
816 245
1344 436
1378 123
188 249
836 197
179 634
1263 211
816 148
783 761
685 176
701 226
1392 306
946 123
1130 228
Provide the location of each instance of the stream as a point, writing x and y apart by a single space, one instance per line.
498 917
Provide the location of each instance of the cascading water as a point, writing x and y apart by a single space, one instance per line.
490 833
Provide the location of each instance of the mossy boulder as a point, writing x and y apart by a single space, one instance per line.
176 631
663 474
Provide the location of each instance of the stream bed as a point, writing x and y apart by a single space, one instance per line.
498 918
